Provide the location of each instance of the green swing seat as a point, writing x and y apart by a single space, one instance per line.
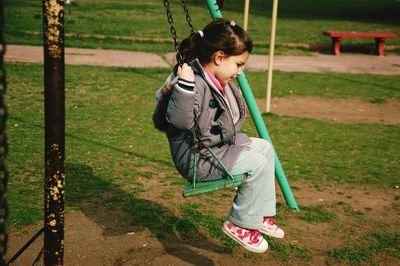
193 188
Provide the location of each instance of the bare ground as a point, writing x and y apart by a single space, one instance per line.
103 236
351 110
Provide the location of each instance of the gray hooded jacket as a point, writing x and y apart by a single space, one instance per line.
200 114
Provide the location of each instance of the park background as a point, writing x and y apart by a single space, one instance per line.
123 202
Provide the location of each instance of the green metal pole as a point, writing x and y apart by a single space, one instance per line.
258 120
263 133
214 9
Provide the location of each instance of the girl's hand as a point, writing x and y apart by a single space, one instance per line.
185 72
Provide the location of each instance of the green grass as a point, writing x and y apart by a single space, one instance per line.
113 151
318 150
285 252
94 23
373 88
369 249
124 98
316 214
197 218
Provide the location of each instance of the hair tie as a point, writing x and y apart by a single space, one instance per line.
201 33
232 23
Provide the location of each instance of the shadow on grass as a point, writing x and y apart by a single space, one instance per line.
97 143
119 211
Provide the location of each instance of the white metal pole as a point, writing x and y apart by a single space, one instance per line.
246 14
271 55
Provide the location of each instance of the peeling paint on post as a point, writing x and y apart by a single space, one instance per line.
54 90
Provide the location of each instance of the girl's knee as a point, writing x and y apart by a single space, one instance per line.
268 148
262 169
262 164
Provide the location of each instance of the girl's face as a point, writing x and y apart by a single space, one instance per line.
229 67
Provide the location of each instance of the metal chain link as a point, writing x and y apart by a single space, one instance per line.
188 18
171 24
3 145
172 28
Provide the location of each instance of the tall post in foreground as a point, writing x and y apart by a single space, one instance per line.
54 98
271 55
258 121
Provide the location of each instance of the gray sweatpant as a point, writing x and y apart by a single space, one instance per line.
256 198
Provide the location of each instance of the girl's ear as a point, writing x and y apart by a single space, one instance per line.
218 57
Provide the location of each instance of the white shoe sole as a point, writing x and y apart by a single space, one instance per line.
272 234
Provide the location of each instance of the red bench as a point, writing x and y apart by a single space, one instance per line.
378 36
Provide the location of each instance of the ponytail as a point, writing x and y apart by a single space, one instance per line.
220 35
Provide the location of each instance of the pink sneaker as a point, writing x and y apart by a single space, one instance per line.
270 228
250 239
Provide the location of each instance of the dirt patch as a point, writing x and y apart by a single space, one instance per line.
87 244
358 210
350 110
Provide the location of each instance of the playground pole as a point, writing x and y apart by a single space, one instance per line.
54 98
258 120
246 14
271 55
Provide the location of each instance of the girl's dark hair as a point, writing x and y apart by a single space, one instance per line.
219 35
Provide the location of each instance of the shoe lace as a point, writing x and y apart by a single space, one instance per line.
270 221
254 234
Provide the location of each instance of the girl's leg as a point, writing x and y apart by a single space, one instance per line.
256 198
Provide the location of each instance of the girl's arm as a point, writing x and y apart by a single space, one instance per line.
180 106
161 104
160 108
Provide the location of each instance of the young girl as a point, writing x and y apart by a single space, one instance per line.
199 107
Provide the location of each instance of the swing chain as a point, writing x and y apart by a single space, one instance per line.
188 18
172 28
170 22
3 145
